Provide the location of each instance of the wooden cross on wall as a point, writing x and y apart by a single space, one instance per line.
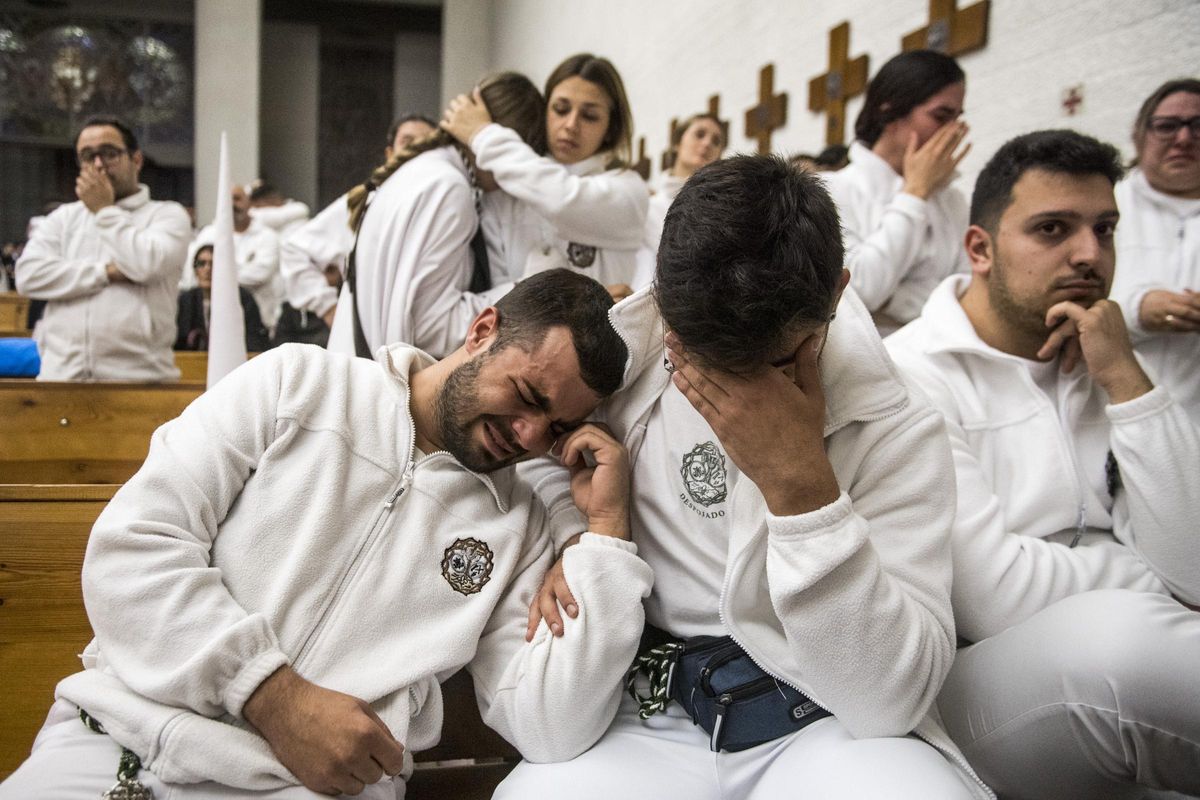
714 108
845 79
666 159
642 165
771 112
950 30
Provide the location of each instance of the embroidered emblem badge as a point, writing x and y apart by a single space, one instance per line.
581 255
704 474
467 565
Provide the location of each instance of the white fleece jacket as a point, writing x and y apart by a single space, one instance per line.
898 246
283 219
1158 247
664 189
305 252
283 519
93 330
850 603
1017 468
414 260
565 212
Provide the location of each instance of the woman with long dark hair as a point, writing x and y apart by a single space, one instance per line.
903 221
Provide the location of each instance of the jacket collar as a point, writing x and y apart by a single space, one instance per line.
1164 202
881 180
947 327
397 361
593 165
135 200
859 379
669 185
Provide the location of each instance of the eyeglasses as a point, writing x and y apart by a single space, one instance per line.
1167 127
108 154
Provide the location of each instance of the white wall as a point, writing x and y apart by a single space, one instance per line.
228 37
291 71
418 83
468 35
673 55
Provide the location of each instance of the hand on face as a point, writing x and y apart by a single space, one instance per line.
1097 335
930 167
94 188
466 116
1170 312
770 423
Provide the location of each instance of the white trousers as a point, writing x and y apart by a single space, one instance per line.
71 762
1090 698
667 757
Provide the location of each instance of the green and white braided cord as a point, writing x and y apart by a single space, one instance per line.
656 663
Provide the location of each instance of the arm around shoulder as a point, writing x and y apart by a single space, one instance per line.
605 210
555 696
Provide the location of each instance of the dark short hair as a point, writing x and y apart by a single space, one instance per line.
836 155
1060 151
260 189
131 142
561 297
902 84
1142 122
403 118
751 251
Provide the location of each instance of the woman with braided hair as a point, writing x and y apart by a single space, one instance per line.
580 206
419 272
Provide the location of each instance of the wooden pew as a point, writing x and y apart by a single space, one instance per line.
14 314
193 365
43 625
82 432
43 628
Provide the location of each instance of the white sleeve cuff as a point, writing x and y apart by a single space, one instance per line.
600 540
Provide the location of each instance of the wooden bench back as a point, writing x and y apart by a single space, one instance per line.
76 433
43 625
14 314
193 365
43 628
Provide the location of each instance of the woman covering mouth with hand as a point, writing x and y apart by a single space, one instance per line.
579 206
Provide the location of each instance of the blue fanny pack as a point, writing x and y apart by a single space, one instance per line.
719 685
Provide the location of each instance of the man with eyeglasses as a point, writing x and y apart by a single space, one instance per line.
108 266
1158 243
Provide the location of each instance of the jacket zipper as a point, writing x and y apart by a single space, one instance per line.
376 527
1080 489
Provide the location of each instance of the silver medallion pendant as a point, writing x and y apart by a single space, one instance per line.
581 255
128 789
